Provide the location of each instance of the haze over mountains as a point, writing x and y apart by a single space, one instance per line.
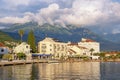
111 33
68 33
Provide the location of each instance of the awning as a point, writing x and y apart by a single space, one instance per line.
37 54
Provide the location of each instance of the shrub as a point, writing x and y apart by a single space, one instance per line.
21 55
7 57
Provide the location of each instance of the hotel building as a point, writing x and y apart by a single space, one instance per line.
56 49
90 44
50 46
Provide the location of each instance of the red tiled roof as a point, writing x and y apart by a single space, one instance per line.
2 45
112 53
89 40
81 47
71 44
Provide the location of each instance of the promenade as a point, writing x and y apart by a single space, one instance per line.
20 62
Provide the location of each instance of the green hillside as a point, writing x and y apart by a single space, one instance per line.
5 37
8 40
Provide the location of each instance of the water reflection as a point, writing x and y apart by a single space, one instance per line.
62 71
70 71
21 72
110 71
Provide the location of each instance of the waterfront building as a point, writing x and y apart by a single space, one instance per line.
111 53
90 44
50 46
56 49
75 49
3 49
22 48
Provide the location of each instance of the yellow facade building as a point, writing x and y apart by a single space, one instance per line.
50 46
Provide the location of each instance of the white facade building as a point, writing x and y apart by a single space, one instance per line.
22 48
50 46
90 44
74 49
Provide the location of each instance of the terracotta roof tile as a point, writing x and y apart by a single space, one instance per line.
2 45
72 44
88 40
81 47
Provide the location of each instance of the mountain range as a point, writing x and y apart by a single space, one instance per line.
112 33
65 34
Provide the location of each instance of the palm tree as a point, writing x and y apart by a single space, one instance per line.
91 50
21 33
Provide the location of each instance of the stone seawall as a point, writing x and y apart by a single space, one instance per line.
20 62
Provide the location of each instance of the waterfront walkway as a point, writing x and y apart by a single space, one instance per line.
19 62
22 62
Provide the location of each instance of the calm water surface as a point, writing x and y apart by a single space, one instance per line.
62 71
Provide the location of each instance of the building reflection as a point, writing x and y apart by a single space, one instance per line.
18 72
3 71
52 71
70 71
34 72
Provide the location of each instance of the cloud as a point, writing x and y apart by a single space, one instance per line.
115 31
47 15
15 19
82 13
17 3
79 12
2 27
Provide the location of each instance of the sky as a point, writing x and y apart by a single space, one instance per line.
100 13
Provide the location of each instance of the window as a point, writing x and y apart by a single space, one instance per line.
84 53
43 51
2 50
26 46
43 47
62 47
43 44
54 46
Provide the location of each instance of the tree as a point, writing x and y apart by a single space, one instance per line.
91 50
21 33
21 55
31 41
118 55
96 54
102 56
